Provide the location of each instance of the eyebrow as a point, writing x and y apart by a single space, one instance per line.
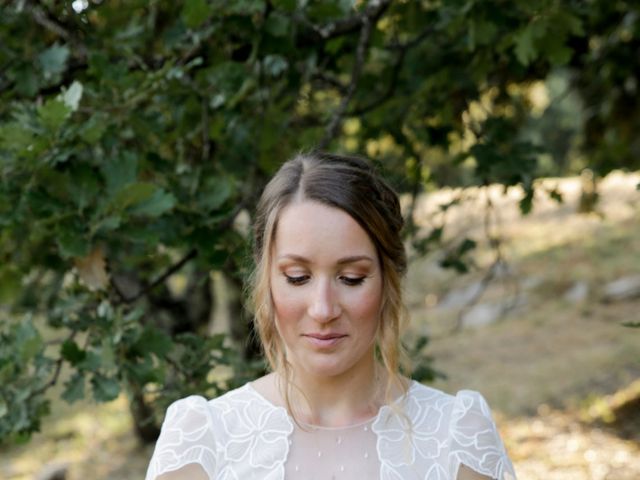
342 261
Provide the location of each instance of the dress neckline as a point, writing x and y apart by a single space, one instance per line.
249 386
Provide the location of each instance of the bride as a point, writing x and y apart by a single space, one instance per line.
327 299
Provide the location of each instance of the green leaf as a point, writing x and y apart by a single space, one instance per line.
107 355
195 12
160 202
245 7
28 341
53 113
15 137
53 60
466 245
277 24
525 50
144 371
286 5
93 130
84 185
26 81
55 183
559 54
119 172
481 32
154 341
105 388
92 362
10 284
72 353
214 193
133 194
72 244
107 224
74 388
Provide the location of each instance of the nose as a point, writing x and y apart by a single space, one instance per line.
324 305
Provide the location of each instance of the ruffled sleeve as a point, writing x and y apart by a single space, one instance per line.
186 437
474 439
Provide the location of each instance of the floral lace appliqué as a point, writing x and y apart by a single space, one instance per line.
257 435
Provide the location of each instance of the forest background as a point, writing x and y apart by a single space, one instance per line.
135 137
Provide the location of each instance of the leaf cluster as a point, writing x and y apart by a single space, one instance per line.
135 137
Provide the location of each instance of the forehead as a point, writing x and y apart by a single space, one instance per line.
311 228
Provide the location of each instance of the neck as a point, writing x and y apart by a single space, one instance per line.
336 401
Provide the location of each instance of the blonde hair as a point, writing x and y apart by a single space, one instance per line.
352 185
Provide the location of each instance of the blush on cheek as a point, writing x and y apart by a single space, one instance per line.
284 312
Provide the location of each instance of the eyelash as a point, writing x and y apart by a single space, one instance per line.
349 281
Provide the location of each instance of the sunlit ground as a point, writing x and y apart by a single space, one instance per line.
561 374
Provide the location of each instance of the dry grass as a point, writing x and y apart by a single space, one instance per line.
547 362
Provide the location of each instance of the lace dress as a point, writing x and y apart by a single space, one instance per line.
242 436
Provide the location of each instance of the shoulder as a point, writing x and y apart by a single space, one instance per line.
187 437
196 417
199 406
463 426
465 413
195 430
463 402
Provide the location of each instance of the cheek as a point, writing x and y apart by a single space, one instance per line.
367 307
287 309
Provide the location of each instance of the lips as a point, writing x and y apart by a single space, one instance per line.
324 340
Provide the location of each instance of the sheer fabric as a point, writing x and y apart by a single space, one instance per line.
425 435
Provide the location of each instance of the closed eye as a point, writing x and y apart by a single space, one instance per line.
352 281
297 280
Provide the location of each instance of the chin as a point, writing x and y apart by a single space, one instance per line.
325 367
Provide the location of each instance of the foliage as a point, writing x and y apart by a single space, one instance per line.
133 134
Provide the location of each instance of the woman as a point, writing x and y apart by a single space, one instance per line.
328 308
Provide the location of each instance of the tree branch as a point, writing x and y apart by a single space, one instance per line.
395 75
350 24
492 272
56 373
42 19
331 81
411 43
191 254
402 49
206 143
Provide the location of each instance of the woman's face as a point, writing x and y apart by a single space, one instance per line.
326 286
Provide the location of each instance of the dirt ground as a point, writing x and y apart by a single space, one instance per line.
560 372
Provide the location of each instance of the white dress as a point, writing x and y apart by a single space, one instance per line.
242 436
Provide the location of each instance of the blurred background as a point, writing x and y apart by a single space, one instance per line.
136 136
